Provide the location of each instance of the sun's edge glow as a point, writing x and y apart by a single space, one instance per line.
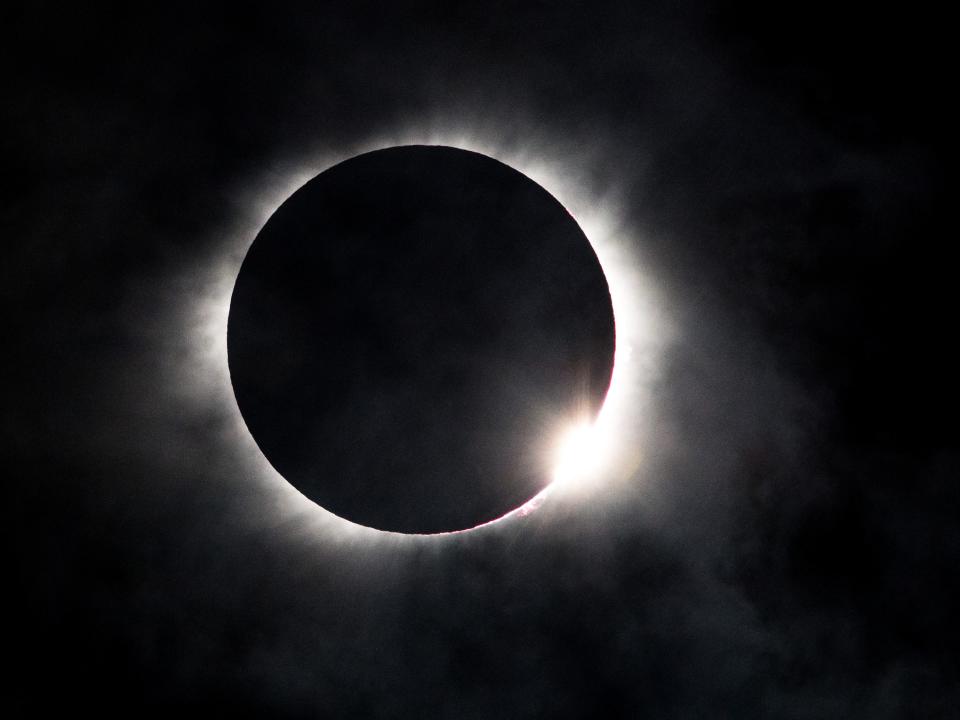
599 216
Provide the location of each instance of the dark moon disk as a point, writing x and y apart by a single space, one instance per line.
409 333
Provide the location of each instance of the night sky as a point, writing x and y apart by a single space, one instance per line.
777 534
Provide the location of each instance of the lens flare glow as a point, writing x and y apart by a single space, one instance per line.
605 452
580 454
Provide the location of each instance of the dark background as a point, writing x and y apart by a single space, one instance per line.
788 546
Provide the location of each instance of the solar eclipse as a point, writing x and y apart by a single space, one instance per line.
409 332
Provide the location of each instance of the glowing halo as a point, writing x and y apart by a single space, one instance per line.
638 322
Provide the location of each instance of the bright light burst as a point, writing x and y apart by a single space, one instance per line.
580 454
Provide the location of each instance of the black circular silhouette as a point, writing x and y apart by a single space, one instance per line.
408 331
